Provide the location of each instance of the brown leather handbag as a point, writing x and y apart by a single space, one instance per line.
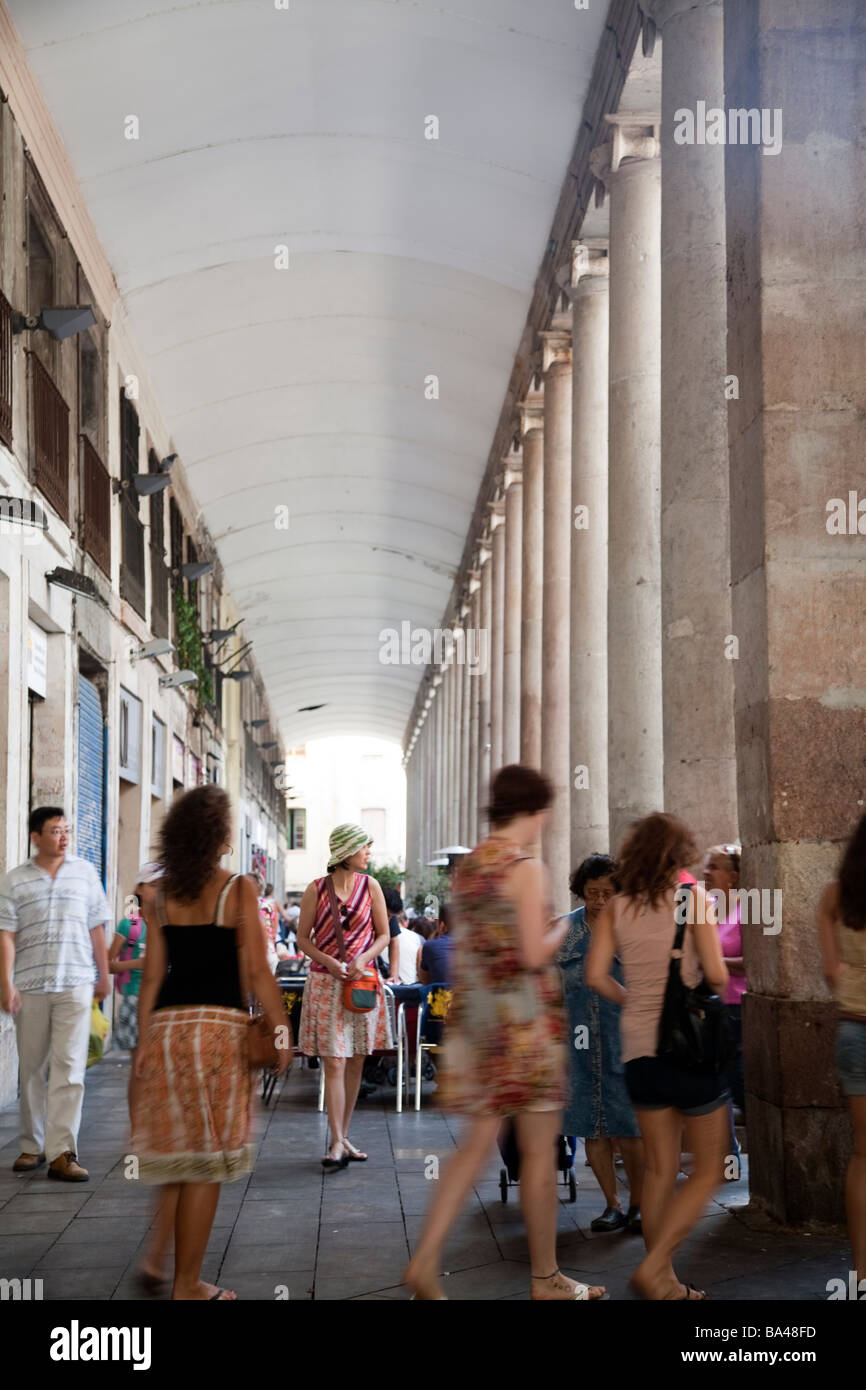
261 1038
360 996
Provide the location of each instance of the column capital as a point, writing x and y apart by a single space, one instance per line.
633 136
512 464
496 514
556 341
656 13
531 412
590 267
473 581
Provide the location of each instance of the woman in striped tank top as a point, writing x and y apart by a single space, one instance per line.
327 1030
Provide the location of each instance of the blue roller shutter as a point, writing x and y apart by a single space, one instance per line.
91 777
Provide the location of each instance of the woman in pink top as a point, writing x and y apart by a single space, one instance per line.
639 926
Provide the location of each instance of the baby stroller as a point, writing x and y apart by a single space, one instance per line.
510 1174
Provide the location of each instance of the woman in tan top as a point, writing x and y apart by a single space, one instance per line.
842 931
639 926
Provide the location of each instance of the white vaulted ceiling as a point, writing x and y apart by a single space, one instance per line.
408 257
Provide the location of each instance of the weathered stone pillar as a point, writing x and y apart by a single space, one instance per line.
796 308
697 667
439 761
513 485
466 722
532 429
448 709
497 633
457 668
556 601
628 165
589 467
486 623
474 671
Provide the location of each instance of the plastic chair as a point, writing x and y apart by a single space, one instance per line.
431 1020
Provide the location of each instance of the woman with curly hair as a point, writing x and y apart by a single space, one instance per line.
842 933
205 957
639 925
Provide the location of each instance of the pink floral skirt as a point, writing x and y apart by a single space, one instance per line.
329 1030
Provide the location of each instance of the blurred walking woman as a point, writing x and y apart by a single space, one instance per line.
328 1030
205 950
842 932
504 1039
639 926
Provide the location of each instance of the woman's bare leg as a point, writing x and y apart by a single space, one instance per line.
451 1190
155 1256
635 1165
706 1140
335 1100
196 1208
354 1072
600 1155
855 1186
662 1139
536 1139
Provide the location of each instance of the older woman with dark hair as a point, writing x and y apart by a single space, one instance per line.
598 1109
205 957
504 1037
639 925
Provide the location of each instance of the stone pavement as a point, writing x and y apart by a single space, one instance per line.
348 1235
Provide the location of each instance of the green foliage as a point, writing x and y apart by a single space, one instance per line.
189 646
388 875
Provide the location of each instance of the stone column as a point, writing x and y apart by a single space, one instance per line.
796 307
589 469
556 601
513 485
486 617
497 633
697 666
628 165
532 430
480 656
457 668
466 724
439 762
448 712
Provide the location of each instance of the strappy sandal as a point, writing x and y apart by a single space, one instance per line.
335 1165
218 1297
581 1293
354 1155
686 1297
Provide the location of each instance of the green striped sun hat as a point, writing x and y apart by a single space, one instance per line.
345 841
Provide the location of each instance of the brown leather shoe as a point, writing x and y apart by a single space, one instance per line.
67 1169
27 1163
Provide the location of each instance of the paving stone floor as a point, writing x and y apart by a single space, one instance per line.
288 1225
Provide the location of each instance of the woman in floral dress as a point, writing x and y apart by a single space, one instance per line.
504 1040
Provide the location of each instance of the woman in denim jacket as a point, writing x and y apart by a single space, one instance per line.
599 1110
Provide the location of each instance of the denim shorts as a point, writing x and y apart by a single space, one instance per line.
654 1084
851 1056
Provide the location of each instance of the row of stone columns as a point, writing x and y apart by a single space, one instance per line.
665 509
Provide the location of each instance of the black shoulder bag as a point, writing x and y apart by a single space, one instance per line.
692 1033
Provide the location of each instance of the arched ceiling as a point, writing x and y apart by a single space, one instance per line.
305 387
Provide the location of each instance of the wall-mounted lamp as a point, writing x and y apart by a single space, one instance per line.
145 484
258 723
195 569
178 678
60 322
271 744
237 675
159 646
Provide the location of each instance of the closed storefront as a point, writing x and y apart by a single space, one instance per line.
91 776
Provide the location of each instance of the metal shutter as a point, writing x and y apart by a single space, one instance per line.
91 777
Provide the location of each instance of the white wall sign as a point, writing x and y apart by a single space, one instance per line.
37 660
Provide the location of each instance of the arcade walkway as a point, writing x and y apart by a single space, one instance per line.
287 1225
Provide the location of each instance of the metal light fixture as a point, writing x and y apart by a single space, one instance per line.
258 723
271 744
178 678
79 584
145 484
194 569
159 646
61 322
237 675
221 634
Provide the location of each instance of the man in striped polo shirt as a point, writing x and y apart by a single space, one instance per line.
52 947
